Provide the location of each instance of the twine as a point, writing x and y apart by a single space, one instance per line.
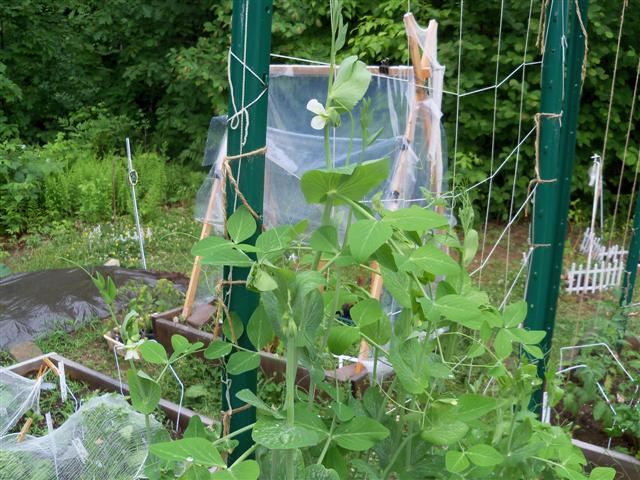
228 173
252 153
222 307
226 417
240 195
586 41
537 180
542 26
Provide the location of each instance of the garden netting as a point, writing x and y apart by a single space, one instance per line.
34 303
104 439
17 396
294 147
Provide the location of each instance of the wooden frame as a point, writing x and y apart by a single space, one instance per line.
100 381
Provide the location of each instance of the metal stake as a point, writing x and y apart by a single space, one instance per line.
133 180
251 45
557 153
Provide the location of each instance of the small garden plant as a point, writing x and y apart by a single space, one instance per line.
456 406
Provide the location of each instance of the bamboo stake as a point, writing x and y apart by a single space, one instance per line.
421 71
206 230
23 431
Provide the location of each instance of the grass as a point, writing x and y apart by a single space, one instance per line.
168 240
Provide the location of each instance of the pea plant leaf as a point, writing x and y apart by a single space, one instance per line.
195 429
366 236
415 219
245 470
153 352
259 328
472 406
272 243
502 344
220 251
241 225
353 181
341 337
534 351
247 396
180 344
602 473
144 391
232 327
407 360
359 434
460 309
241 362
217 349
484 455
514 314
277 435
372 321
445 433
350 84
319 472
325 239
455 461
199 450
430 258
259 279
528 337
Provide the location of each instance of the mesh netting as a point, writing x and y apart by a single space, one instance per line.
17 396
408 138
104 439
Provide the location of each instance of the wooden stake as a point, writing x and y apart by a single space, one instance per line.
50 365
422 70
23 431
206 230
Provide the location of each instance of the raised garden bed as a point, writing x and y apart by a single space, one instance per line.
273 366
180 416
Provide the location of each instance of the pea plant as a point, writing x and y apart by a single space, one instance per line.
456 404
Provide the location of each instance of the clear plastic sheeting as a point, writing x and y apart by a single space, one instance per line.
294 147
104 439
18 395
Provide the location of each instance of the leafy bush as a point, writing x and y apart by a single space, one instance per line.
22 171
67 179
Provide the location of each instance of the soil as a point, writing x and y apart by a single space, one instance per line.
587 429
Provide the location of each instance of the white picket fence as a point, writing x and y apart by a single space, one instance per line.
601 276
590 238
599 252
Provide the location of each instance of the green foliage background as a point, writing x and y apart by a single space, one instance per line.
155 70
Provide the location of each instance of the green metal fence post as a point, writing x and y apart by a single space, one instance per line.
556 158
631 268
251 45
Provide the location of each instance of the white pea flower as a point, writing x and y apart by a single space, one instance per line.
132 351
320 120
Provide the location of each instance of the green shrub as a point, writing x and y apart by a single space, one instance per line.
68 179
22 170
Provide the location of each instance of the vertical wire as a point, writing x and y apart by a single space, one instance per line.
455 138
613 87
493 139
626 151
515 169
